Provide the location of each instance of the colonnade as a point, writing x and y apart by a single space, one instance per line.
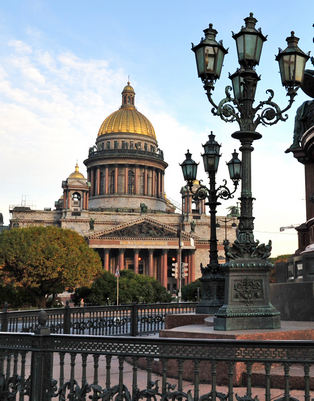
156 262
126 179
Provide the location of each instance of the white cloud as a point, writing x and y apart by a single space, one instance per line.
20 47
52 105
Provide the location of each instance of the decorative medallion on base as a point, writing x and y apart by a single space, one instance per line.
247 297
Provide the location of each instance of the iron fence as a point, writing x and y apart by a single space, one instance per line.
44 367
126 320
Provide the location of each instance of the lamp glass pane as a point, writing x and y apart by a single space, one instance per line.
219 61
299 69
237 171
259 45
240 47
199 54
211 162
250 45
237 87
210 59
289 62
189 171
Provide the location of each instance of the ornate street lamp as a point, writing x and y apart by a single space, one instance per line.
212 277
247 300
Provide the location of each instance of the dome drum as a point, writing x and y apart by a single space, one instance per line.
126 202
125 153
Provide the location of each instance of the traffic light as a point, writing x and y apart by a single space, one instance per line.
184 270
175 270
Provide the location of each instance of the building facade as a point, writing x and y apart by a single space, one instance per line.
121 207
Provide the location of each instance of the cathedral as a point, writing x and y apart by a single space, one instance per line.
121 208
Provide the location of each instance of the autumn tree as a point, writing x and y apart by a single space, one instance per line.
46 261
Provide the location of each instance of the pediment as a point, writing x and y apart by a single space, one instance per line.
141 228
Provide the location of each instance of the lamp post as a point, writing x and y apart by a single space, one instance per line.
212 277
226 221
247 300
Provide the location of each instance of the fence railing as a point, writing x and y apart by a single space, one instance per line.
42 367
127 320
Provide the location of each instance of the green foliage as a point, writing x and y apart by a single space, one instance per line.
189 291
15 297
132 288
46 260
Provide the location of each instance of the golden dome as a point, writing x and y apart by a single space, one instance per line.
127 119
76 173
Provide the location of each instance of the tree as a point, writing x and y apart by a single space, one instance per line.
46 260
132 288
189 291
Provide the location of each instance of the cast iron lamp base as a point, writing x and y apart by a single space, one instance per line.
247 297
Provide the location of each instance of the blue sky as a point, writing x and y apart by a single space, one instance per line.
63 65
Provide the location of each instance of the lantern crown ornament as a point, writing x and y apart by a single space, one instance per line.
209 55
292 62
189 168
239 107
249 43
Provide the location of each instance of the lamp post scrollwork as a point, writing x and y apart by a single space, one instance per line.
212 277
246 257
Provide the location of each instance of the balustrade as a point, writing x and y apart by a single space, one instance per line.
44 367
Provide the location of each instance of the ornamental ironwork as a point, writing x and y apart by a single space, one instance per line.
248 290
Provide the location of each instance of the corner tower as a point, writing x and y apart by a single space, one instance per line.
126 167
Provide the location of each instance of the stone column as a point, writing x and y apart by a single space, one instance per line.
92 181
136 255
145 181
69 200
116 172
97 181
83 204
126 179
191 266
87 198
106 180
153 183
136 191
158 184
121 259
150 262
106 259
164 268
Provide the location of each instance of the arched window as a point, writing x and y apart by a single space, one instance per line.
112 181
76 196
76 199
131 182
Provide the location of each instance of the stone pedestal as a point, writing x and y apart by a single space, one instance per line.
247 297
213 289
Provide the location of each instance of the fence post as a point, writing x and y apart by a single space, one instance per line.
41 363
134 320
67 319
5 318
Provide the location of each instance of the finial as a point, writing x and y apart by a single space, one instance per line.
77 167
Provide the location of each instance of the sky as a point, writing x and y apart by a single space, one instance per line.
63 65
